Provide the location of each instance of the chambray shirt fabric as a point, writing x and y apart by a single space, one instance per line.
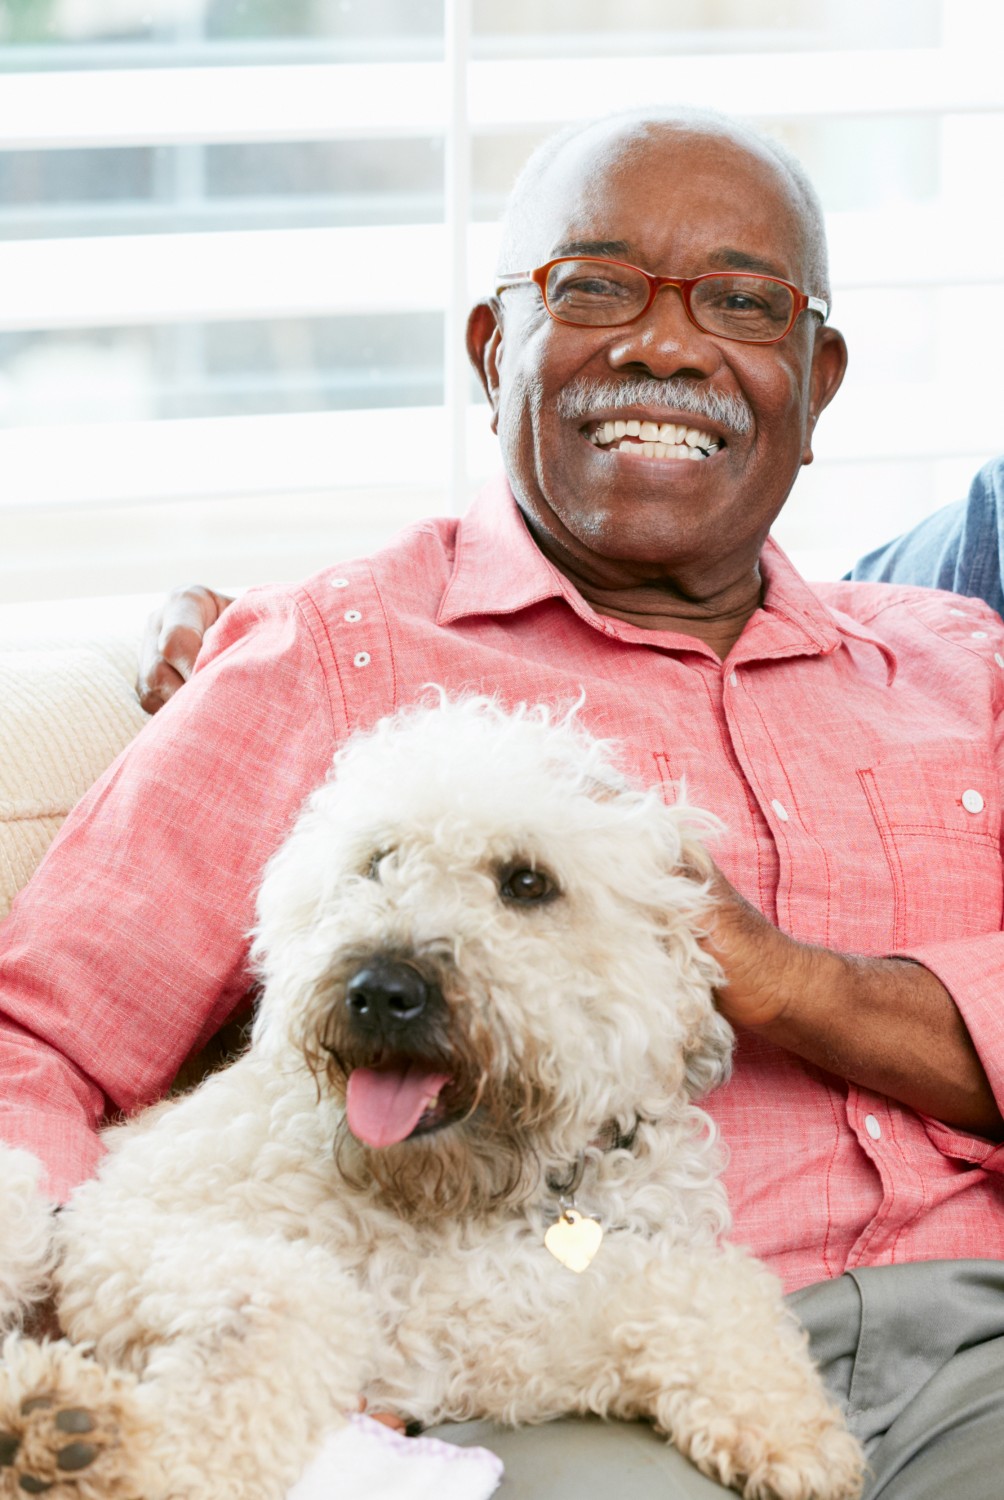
960 547
850 743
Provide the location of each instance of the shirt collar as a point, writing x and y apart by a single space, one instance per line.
499 570
798 620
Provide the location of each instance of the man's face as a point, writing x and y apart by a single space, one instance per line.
676 204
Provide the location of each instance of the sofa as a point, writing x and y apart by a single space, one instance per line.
67 707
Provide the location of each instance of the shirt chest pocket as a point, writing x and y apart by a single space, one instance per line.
937 814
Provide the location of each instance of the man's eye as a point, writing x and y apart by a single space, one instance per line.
742 302
522 884
591 288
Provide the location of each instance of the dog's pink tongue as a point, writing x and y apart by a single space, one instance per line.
383 1105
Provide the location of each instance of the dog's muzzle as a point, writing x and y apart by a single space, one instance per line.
393 1026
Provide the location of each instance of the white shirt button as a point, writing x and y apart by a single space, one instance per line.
957 612
352 616
733 680
361 659
780 809
972 801
999 659
339 583
979 635
873 1127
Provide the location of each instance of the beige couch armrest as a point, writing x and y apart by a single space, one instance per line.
66 710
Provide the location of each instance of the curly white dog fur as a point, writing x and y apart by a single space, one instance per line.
481 984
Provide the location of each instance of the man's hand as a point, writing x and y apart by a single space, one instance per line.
886 1024
762 964
172 640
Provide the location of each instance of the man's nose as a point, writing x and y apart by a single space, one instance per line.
664 340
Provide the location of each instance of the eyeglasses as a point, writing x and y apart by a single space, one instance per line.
588 292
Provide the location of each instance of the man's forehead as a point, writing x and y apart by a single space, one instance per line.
577 190
611 145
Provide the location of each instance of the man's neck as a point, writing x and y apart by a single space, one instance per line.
713 605
716 617
719 625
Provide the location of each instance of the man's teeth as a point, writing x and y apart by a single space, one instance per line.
656 439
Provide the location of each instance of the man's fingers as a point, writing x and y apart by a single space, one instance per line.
156 684
172 641
184 618
756 957
179 644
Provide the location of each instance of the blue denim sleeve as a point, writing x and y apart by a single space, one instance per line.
960 548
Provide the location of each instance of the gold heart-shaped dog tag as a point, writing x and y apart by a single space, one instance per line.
573 1239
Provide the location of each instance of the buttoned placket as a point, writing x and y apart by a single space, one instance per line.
871 1118
357 631
755 744
352 617
761 757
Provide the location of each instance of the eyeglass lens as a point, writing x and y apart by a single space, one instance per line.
603 294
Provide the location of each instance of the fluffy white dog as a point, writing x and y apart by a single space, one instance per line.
486 1017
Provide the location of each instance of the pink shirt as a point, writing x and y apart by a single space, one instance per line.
849 742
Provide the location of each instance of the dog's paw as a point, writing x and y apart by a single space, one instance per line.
69 1429
818 1460
50 1445
827 1464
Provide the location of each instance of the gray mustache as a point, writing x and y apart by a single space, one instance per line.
581 399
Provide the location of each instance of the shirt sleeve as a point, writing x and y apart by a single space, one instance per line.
961 548
129 946
972 971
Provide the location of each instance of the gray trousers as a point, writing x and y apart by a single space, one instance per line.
914 1355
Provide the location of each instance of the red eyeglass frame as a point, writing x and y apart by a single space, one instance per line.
801 301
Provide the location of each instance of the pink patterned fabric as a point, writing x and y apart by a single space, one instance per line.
850 743
367 1461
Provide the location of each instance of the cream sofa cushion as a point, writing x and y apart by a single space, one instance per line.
66 710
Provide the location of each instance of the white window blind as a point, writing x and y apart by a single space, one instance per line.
210 367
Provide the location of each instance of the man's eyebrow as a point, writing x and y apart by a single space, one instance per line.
620 249
727 258
742 260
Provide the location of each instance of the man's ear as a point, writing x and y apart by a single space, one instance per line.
829 361
484 349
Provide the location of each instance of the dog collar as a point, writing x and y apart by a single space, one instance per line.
573 1238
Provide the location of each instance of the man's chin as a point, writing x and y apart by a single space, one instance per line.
632 541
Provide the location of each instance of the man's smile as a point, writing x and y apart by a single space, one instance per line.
672 441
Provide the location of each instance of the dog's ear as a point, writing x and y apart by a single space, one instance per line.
27 1245
707 1038
707 1053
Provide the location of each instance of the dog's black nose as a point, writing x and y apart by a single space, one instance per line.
386 993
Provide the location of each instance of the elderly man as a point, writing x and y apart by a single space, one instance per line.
656 358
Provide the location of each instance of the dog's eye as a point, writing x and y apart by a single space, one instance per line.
521 883
372 870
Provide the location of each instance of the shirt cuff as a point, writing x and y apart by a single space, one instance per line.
972 971
69 1153
49 1109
